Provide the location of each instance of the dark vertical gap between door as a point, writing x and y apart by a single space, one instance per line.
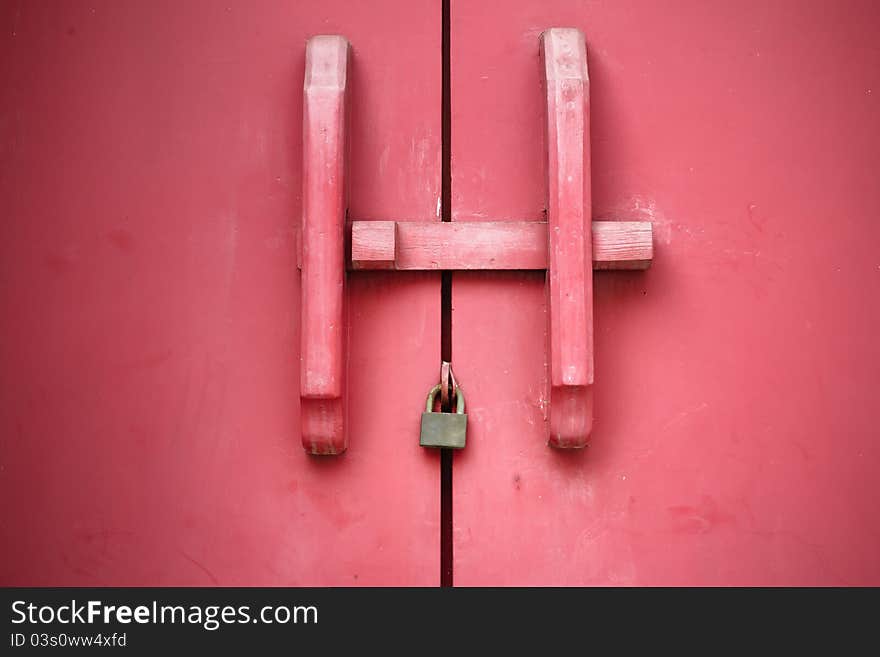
446 301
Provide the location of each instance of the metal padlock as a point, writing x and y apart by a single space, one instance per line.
443 429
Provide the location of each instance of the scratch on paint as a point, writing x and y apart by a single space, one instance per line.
682 415
201 567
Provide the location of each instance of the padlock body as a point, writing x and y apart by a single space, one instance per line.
443 430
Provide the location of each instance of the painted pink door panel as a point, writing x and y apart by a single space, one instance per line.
149 367
734 437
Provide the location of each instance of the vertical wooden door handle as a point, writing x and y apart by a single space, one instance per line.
324 323
569 240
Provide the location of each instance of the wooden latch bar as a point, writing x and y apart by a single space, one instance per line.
469 245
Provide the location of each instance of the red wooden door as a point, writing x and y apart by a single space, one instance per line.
735 436
149 388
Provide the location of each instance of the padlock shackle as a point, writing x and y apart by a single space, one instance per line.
432 396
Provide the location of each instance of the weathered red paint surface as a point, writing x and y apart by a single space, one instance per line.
149 390
151 182
735 436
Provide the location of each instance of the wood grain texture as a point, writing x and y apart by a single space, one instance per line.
324 324
373 244
622 244
569 278
500 245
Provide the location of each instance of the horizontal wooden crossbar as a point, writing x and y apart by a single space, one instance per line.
414 245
